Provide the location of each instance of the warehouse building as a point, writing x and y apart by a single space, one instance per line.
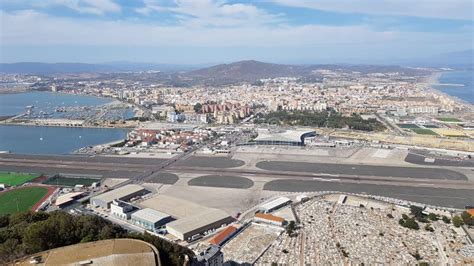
123 193
274 204
150 219
67 199
288 138
269 219
223 235
122 209
192 227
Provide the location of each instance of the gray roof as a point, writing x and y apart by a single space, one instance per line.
286 136
118 193
197 221
150 215
275 203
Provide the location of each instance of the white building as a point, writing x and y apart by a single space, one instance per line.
275 204
189 227
122 193
150 219
122 209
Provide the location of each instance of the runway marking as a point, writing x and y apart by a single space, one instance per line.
430 196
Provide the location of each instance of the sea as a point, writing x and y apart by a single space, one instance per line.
466 92
50 140
14 104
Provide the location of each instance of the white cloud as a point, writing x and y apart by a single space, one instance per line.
444 9
96 7
33 28
211 12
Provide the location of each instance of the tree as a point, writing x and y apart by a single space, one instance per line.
416 211
198 108
409 223
433 217
457 221
467 218
27 233
446 220
290 228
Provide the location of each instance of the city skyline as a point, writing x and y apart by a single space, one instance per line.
207 32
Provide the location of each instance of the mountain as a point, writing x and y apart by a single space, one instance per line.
181 75
251 71
243 71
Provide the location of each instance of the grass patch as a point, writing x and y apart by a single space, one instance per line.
21 199
448 119
410 126
424 131
14 179
70 181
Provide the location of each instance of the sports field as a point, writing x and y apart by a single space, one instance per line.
409 126
448 119
21 199
13 178
424 131
70 181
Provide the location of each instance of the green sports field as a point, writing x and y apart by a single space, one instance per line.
448 119
13 178
424 131
408 126
21 199
70 181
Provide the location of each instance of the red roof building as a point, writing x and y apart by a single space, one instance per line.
223 235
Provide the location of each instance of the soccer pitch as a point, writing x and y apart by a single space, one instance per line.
13 178
21 199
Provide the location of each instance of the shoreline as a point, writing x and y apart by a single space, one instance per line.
433 79
46 125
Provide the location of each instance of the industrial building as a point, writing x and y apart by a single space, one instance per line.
67 199
150 219
223 235
288 137
274 204
269 218
212 256
122 209
123 193
192 227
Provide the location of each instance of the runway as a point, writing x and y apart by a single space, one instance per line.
420 159
117 167
362 170
454 198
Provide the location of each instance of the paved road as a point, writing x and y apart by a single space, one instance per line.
454 198
221 181
420 159
361 170
206 161
164 178
81 158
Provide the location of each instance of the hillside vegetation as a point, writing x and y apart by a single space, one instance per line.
26 233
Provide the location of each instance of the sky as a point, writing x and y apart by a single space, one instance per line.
216 31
